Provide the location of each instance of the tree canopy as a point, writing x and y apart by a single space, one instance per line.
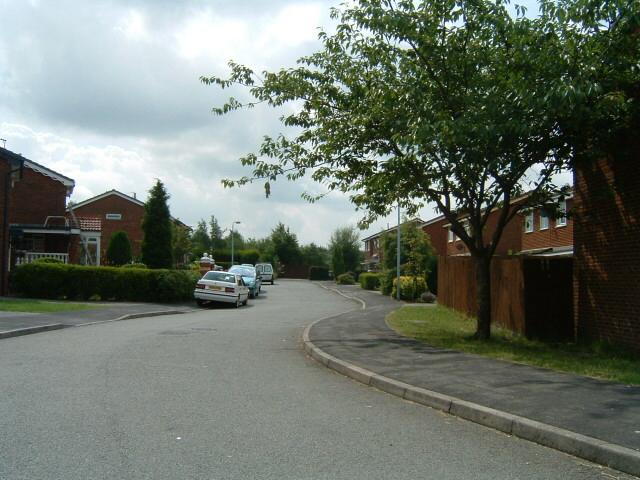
285 245
119 249
344 248
452 102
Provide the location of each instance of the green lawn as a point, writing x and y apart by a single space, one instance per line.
41 306
442 327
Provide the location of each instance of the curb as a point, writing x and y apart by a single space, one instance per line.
598 451
131 316
18 332
57 326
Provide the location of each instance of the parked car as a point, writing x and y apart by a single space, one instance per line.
250 277
221 287
266 272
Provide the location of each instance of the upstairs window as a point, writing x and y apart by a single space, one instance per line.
561 221
113 216
544 220
452 236
528 222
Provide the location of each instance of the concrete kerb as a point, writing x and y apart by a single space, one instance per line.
582 446
132 316
18 332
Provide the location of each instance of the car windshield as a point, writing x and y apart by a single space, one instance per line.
220 277
244 271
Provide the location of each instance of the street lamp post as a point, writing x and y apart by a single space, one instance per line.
234 223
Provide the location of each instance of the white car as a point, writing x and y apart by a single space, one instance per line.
221 287
266 272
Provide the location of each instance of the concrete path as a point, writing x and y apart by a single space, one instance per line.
606 411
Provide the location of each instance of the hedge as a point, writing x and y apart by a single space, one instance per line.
107 283
410 287
239 256
369 280
318 273
346 279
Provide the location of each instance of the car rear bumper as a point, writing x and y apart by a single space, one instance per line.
215 296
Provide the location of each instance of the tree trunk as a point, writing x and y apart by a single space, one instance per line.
483 286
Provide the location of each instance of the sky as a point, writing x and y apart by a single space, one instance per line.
108 93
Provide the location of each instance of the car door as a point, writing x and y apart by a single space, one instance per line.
242 289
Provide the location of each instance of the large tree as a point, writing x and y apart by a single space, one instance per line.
156 225
285 245
344 248
215 234
200 240
453 102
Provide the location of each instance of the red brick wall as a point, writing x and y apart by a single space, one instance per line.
438 236
35 197
607 253
554 236
131 221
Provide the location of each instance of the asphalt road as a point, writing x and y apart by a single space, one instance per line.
228 394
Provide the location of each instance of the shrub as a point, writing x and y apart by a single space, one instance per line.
318 273
109 283
49 260
387 280
119 250
369 280
134 265
427 297
346 279
410 287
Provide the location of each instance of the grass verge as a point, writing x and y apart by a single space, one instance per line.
41 306
445 328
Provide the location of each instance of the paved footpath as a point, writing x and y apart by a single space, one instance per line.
607 412
19 323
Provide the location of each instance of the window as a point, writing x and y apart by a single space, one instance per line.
544 220
561 221
452 236
528 222
114 216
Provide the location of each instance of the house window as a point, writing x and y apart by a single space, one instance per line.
561 221
452 236
114 216
528 222
544 220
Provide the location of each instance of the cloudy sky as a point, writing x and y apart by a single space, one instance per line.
107 93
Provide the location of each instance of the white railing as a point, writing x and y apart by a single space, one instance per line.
30 257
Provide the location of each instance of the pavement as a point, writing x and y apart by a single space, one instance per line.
592 419
13 324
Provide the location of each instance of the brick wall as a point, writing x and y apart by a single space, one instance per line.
35 197
437 235
131 221
607 253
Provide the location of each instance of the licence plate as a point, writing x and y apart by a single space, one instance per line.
213 287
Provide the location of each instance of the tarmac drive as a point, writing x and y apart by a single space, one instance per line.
228 394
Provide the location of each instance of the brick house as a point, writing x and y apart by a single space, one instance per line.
34 222
607 253
373 247
116 212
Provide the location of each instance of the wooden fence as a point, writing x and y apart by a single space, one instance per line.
532 296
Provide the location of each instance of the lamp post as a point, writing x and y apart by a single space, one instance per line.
398 255
234 223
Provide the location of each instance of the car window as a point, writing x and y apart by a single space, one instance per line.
245 272
220 277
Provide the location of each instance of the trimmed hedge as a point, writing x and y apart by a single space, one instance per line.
410 287
318 273
108 283
239 256
346 279
369 280
49 260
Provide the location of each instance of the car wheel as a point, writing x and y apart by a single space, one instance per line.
271 282
199 302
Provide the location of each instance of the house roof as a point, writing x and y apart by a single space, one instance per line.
107 194
391 229
125 197
36 167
